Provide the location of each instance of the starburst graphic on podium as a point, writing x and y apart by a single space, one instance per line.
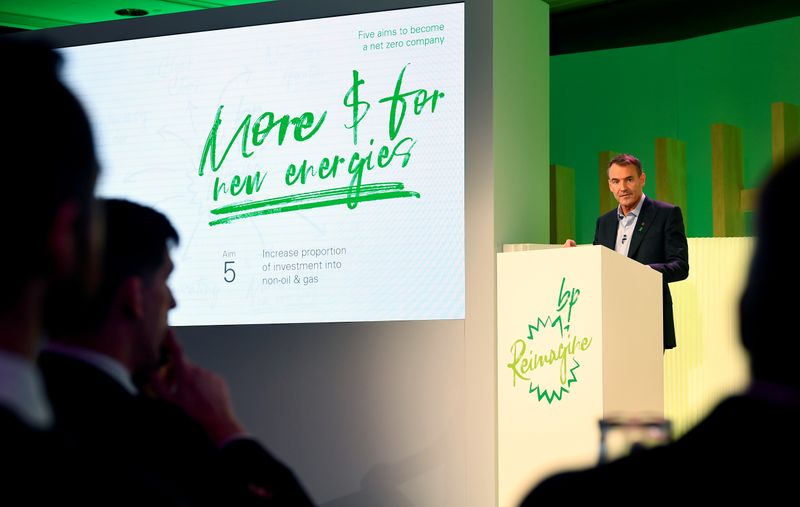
542 325
555 394
547 357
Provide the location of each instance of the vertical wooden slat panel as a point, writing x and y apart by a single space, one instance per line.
562 203
607 201
785 131
749 199
709 362
671 173
726 180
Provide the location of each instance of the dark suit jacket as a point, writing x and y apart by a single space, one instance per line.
744 449
157 446
40 467
26 454
659 240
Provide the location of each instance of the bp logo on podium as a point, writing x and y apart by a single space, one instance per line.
547 360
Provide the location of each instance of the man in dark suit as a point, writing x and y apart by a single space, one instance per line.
646 230
746 446
187 444
49 168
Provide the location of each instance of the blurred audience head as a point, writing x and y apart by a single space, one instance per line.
49 170
769 299
133 295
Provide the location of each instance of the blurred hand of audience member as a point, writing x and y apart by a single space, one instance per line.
201 393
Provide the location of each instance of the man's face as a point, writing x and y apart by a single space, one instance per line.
157 301
626 185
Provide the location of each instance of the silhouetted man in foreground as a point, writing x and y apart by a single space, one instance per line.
749 445
188 443
48 168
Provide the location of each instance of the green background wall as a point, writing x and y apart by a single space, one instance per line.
624 99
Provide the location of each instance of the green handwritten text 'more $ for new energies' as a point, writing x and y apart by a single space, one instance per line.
252 132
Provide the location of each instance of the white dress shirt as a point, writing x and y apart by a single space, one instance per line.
22 391
627 223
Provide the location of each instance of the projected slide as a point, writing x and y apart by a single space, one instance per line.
314 169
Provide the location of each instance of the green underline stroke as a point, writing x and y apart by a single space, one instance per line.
309 200
305 196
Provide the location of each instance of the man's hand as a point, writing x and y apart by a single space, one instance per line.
202 394
570 243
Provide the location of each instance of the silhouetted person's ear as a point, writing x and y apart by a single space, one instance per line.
130 297
62 240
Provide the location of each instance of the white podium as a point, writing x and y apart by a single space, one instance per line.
578 339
